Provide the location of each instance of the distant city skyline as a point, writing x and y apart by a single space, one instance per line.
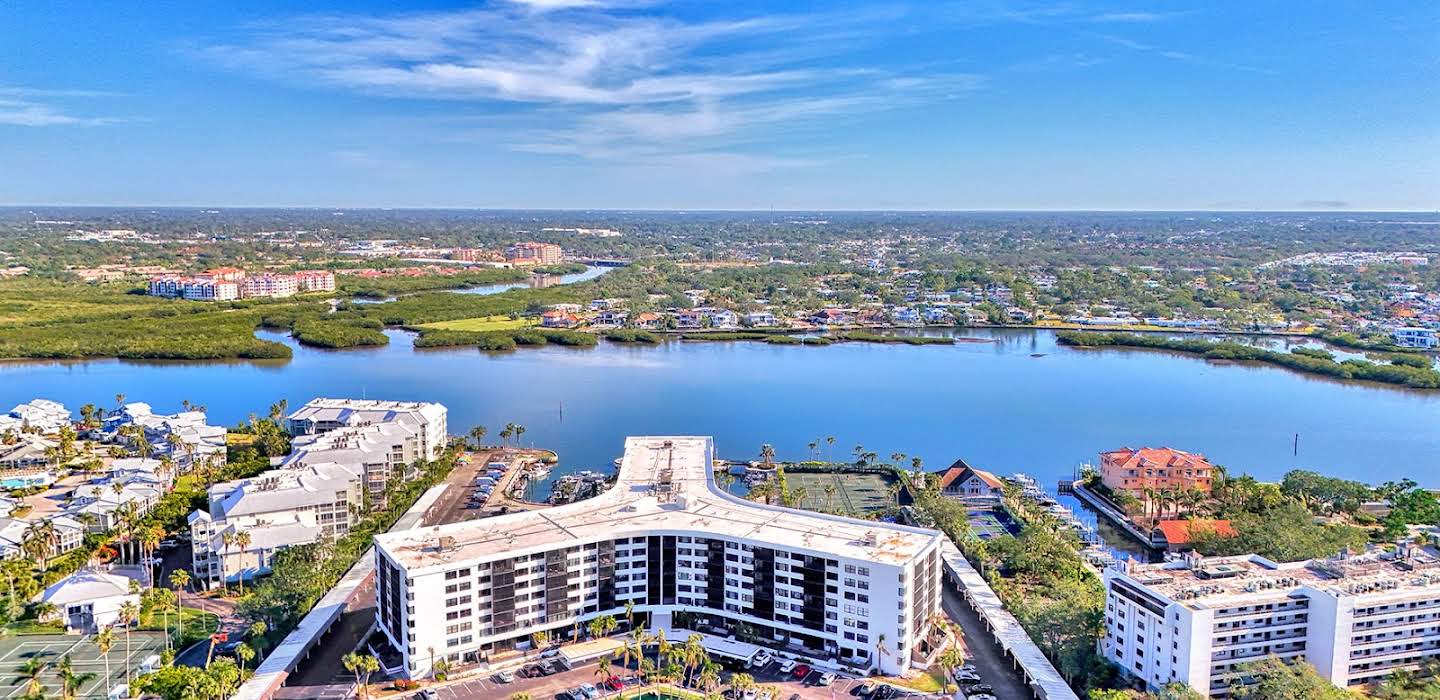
796 106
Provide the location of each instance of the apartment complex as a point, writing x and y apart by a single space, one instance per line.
533 254
36 415
277 509
343 457
1133 471
1198 621
194 441
226 283
425 420
666 539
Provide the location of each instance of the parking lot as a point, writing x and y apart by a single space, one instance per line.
771 677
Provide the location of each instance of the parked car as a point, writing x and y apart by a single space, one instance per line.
425 694
788 665
613 683
550 653
978 689
967 675
531 671
981 696
546 668
825 679
800 671
504 677
589 691
761 658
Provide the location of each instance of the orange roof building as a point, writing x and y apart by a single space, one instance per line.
964 481
1132 471
1180 533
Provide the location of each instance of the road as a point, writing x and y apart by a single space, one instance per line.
982 650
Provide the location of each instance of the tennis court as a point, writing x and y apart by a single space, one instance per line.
988 522
854 494
84 655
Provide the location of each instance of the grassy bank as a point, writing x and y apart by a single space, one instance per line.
484 323
775 338
868 337
1307 360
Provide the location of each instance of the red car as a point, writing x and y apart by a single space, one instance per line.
800 671
613 684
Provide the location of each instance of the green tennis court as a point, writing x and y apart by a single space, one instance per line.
16 651
852 494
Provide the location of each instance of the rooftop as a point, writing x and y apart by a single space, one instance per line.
664 483
1207 582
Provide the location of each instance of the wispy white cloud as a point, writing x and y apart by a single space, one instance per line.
1130 17
602 80
35 107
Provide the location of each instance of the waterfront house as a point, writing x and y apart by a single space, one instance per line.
37 415
1134 471
611 317
961 480
650 320
721 318
935 315
559 319
905 316
760 319
689 318
28 452
831 317
1412 337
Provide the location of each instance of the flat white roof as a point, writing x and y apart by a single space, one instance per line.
665 484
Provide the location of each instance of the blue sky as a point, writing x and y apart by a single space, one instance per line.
743 105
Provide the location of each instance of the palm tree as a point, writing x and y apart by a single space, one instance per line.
602 669
245 653
258 629
362 665
829 445
506 433
104 641
813 446
242 541
767 454
150 540
741 682
227 542
180 578
630 614
949 660
70 681
30 673
128 612
477 434
519 431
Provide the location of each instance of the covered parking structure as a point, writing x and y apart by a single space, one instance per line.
1025 655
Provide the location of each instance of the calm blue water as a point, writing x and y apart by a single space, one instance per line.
992 403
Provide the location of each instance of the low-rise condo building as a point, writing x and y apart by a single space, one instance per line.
323 415
344 456
36 415
315 280
667 540
268 285
277 509
1135 471
195 441
1199 621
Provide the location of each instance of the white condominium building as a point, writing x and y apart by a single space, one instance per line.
666 539
38 415
1356 619
277 509
323 415
195 440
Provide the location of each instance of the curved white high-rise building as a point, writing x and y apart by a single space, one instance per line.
666 539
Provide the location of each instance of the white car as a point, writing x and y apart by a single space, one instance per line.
761 659
966 674
982 696
589 690
825 679
788 665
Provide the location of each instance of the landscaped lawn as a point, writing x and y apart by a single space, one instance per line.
486 323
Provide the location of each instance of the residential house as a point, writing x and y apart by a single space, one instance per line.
720 318
689 318
960 480
760 319
832 317
37 415
905 316
936 316
559 319
650 321
1412 337
196 441
611 317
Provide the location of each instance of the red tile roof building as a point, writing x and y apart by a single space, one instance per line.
964 481
1179 533
1132 471
533 254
